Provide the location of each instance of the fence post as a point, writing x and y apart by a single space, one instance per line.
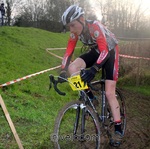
10 123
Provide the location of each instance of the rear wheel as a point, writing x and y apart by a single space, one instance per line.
76 127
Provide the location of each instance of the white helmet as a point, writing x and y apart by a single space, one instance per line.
71 13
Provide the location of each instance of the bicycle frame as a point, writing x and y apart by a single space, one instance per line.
102 116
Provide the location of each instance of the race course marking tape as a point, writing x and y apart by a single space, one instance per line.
121 55
52 49
133 57
28 76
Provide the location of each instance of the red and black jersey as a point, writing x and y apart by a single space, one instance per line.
95 34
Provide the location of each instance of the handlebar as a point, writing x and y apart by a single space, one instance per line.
55 82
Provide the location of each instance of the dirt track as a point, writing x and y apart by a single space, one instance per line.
138 122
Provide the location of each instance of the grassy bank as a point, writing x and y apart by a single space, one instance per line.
31 105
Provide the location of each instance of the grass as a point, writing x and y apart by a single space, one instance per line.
31 105
138 89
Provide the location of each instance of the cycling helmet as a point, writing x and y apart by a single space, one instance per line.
71 13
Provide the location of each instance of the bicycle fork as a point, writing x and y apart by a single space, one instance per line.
76 122
79 112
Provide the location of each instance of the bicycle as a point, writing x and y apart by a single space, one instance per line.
81 123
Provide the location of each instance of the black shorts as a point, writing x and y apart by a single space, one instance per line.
111 66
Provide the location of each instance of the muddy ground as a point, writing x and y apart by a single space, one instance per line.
138 122
137 134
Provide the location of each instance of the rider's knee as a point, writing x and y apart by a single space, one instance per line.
110 95
72 69
76 66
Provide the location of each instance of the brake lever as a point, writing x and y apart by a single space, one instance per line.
51 77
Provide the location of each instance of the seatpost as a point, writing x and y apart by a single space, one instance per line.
103 74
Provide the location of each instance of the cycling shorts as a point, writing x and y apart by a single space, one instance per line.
111 66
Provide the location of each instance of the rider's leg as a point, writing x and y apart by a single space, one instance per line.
76 66
110 87
116 136
111 68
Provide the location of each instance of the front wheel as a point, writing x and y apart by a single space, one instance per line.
76 127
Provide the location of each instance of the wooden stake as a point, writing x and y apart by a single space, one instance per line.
10 123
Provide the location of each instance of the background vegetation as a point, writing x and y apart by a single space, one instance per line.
125 18
32 107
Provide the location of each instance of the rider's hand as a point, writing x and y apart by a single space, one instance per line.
88 75
63 74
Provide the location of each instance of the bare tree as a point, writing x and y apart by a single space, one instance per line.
123 16
12 7
55 8
33 11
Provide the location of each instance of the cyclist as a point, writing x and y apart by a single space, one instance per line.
103 53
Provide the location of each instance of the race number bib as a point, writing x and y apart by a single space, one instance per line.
76 83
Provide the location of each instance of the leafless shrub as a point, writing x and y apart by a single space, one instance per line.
137 69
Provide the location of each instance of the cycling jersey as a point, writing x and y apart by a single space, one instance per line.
94 35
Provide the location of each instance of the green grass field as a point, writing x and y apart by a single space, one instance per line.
32 107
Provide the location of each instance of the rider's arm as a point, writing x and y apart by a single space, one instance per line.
69 51
102 46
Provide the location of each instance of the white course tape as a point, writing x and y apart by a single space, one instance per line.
28 76
133 57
